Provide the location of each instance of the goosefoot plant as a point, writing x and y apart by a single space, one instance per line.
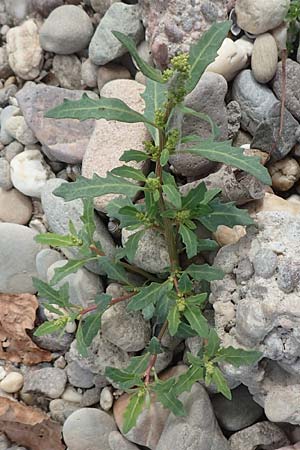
172 302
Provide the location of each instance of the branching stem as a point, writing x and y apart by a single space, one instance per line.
114 301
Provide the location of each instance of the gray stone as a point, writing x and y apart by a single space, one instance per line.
80 377
14 207
54 342
5 180
238 413
18 9
6 93
5 69
67 69
59 213
292 98
48 381
264 314
234 115
198 429
207 97
44 259
129 331
255 100
101 6
19 130
261 435
61 409
12 150
88 428
18 251
89 73
266 134
83 285
264 58
104 47
63 140
90 397
45 7
152 252
118 442
67 30
6 113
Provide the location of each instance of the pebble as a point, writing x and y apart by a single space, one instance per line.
106 399
118 442
49 382
89 73
29 172
67 69
12 383
18 251
45 7
257 17
263 434
129 331
284 174
226 236
5 180
54 342
6 113
80 377
101 6
67 30
264 49
111 72
71 395
12 150
83 285
5 69
104 47
88 428
238 413
91 396
61 409
44 259
19 130
25 54
233 56
292 99
14 207
111 138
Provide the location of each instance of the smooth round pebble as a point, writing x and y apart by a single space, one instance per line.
16 127
14 207
67 30
29 172
88 428
106 399
44 259
12 383
71 395
264 58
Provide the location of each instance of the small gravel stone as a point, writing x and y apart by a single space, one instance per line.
50 382
91 396
12 383
111 72
88 428
106 399
12 150
264 49
71 395
265 263
60 409
80 377
118 442
89 73
5 180
44 259
29 172
19 130
15 207
67 69
67 30
6 113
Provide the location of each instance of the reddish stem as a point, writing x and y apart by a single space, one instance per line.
153 358
114 301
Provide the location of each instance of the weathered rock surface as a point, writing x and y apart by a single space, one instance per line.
67 69
63 140
18 251
261 288
50 382
263 434
292 99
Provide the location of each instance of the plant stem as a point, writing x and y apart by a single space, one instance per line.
114 301
154 357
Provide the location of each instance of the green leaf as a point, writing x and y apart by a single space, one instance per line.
169 401
48 292
88 217
189 239
225 214
132 243
164 157
155 95
103 108
214 128
57 240
129 172
196 319
148 295
145 68
154 347
114 270
90 327
80 342
122 378
50 327
138 364
194 197
173 320
148 312
232 156
134 155
207 245
221 383
205 51
213 344
70 267
198 299
185 331
204 272
133 410
53 309
173 195
186 381
195 360
239 357
96 186
102 301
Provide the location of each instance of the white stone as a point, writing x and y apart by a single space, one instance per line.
258 16
71 395
3 373
18 129
233 56
12 383
29 172
106 399
25 54
264 58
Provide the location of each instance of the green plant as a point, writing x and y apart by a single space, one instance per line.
172 302
293 19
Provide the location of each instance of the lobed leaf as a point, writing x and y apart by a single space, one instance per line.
169 401
114 270
50 327
204 272
221 383
154 347
90 327
196 319
138 364
186 381
133 410
189 239
225 214
57 240
148 295
134 155
70 267
122 378
132 243
239 357
173 320
88 218
129 172
213 343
